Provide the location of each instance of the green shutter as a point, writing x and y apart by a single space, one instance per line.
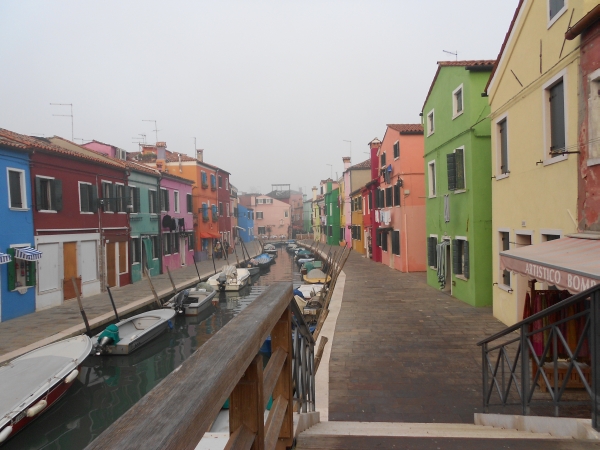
451 167
456 269
11 269
432 251
30 280
466 270
57 197
147 243
460 168
38 193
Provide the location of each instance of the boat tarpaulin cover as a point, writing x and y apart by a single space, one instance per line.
568 263
28 254
4 258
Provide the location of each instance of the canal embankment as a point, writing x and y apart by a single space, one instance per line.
26 333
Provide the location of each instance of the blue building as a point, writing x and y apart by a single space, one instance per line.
18 258
245 223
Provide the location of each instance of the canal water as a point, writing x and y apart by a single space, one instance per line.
108 386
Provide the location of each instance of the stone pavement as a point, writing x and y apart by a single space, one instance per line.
25 333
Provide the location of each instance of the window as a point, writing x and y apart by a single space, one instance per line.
227 183
107 197
155 247
21 273
213 181
134 199
505 245
205 217
430 123
396 194
460 257
555 10
123 257
593 108
269 201
259 215
220 182
384 241
330 231
432 252
396 149
221 209
152 202
382 158
556 98
87 197
388 196
395 242
48 194
227 209
175 242
121 198
189 203
176 201
262 230
286 213
431 178
164 200
457 102
16 189
456 169
503 145
136 249
166 244
204 180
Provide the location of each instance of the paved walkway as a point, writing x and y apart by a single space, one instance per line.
25 333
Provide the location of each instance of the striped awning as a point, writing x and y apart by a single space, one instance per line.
4 258
28 254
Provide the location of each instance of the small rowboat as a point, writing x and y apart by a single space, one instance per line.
192 302
230 278
33 382
316 276
124 337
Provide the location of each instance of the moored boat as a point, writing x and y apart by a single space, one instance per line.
271 250
125 336
33 382
192 302
316 276
230 278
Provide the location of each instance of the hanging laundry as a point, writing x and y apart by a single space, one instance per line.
441 262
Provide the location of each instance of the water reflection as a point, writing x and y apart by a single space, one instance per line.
108 386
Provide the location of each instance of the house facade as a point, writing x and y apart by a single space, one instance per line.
332 214
458 191
353 178
402 198
245 225
272 218
372 236
284 193
533 99
357 223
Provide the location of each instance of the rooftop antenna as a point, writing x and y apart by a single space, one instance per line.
452 53
155 126
350 146
139 140
66 115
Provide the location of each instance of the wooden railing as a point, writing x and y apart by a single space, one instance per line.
177 412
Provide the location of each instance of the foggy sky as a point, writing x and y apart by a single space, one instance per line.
270 89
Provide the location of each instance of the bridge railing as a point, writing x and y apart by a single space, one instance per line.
177 412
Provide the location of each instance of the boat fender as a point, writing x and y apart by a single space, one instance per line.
170 324
5 433
71 377
37 408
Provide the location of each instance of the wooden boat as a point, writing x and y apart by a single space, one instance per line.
316 276
230 278
124 337
192 302
35 381
264 260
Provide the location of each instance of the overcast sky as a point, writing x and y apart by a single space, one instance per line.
270 89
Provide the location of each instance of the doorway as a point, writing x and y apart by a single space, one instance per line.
522 282
70 270
111 266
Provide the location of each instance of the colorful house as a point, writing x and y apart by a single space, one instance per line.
367 193
245 223
354 177
224 204
284 193
372 235
18 280
457 164
533 94
307 216
316 215
332 213
357 224
402 202
272 218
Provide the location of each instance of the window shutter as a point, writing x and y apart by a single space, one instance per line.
11 268
57 197
112 201
167 200
451 166
466 269
30 280
557 117
94 205
459 161
431 251
38 193
455 257
396 195
378 238
136 199
503 147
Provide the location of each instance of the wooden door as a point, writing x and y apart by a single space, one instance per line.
111 266
70 270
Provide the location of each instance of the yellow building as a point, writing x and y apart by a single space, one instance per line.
357 229
533 100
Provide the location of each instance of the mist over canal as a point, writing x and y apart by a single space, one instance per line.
108 386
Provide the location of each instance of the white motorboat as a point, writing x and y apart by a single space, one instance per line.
33 382
192 302
124 337
231 278
309 290
270 249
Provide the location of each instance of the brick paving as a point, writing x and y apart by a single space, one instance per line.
25 332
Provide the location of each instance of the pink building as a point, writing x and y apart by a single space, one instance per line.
401 206
271 217
176 222
107 149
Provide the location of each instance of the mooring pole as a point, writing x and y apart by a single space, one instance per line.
87 324
113 303
213 259
153 290
196 266
172 282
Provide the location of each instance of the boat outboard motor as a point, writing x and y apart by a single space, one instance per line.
222 281
109 336
180 299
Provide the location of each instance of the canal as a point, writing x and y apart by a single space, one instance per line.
108 386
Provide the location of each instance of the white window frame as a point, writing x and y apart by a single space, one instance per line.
463 190
396 157
461 275
79 183
176 201
432 187
186 195
430 122
160 200
227 209
557 15
593 105
140 255
508 289
25 207
155 213
286 213
498 145
456 113
437 240
116 197
102 183
550 231
52 211
130 203
546 117
261 215
166 238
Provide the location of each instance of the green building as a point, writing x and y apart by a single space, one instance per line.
458 181
332 212
144 185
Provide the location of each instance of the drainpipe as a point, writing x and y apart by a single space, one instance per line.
160 234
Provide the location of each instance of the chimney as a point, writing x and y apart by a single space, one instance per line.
346 160
314 189
200 154
161 150
374 145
